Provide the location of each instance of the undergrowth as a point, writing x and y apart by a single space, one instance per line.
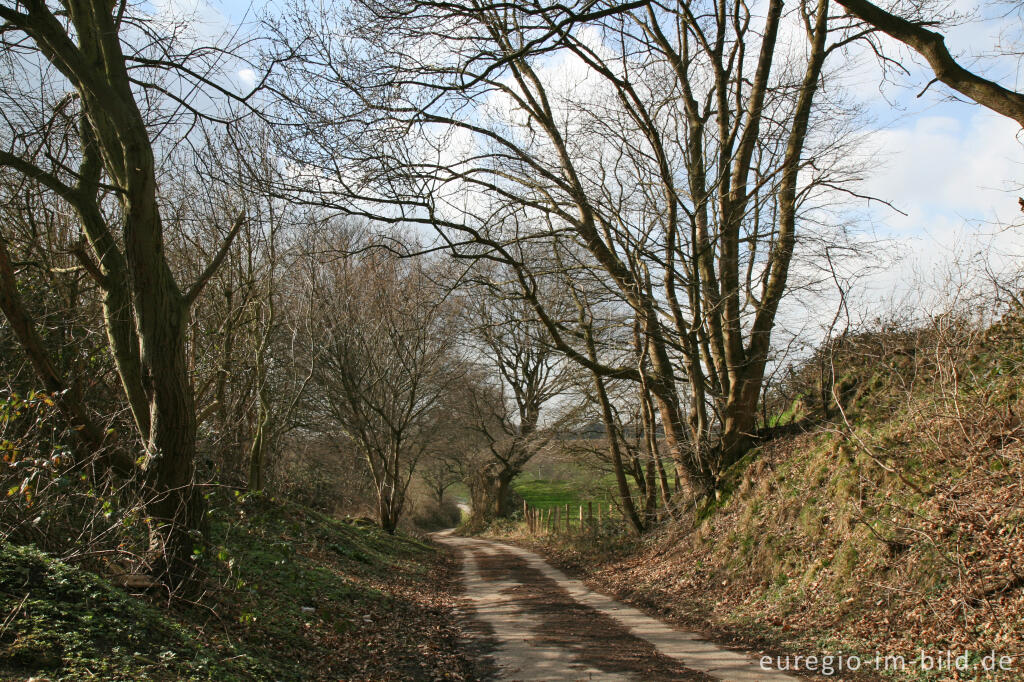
289 594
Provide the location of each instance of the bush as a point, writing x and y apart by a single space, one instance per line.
432 516
56 495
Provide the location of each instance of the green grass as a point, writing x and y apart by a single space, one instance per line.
575 492
68 623
266 560
544 493
794 412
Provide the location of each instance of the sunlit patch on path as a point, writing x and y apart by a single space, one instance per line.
551 627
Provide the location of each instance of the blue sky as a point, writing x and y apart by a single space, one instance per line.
954 167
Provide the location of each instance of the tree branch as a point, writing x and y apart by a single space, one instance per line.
932 47
74 411
197 287
90 266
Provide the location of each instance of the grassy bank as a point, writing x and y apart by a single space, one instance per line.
290 595
893 525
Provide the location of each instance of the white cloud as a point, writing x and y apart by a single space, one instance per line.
958 180
939 169
957 176
955 168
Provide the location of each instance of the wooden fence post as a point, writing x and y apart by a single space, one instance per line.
590 516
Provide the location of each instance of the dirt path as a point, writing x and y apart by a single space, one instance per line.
549 627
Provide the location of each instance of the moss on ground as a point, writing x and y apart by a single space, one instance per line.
289 594
62 622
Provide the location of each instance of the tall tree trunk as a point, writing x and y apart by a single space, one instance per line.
257 453
491 491
503 493
616 453
258 449
651 498
650 428
386 513
176 508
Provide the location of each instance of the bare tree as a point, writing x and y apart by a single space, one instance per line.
520 373
73 125
442 469
249 375
674 153
385 353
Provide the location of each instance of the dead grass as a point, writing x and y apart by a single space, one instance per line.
898 529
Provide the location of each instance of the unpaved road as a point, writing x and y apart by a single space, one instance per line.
547 626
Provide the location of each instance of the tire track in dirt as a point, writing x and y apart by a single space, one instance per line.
546 626
595 640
